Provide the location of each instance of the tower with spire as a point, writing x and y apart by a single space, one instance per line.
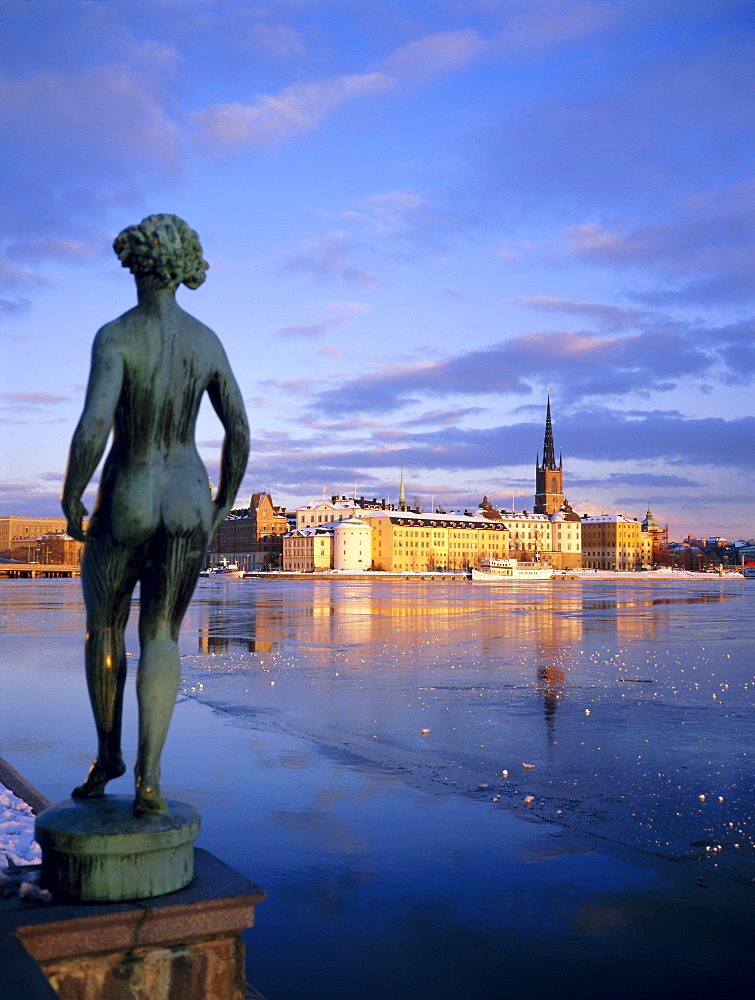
401 491
549 477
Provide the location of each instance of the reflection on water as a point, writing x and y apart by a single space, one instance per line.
631 703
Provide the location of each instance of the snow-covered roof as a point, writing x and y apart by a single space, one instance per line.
609 519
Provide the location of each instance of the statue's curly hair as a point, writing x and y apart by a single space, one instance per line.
163 249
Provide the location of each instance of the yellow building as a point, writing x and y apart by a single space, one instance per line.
614 542
13 527
567 538
308 550
403 541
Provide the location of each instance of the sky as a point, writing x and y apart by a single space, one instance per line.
421 216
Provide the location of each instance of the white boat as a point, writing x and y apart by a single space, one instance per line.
748 572
500 570
224 568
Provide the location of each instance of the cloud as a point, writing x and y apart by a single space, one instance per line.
658 358
702 254
597 435
604 435
584 364
637 136
434 55
339 314
14 307
538 27
13 276
608 317
66 250
445 417
277 40
35 399
330 257
61 126
303 330
389 212
650 480
269 120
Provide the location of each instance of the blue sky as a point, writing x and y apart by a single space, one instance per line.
419 216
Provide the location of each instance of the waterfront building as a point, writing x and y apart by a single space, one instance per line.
342 544
54 548
251 537
308 549
555 538
352 545
395 541
338 508
615 542
566 542
407 541
658 536
14 528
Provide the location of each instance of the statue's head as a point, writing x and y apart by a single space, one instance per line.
163 250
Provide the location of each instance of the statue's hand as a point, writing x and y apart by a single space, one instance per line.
75 512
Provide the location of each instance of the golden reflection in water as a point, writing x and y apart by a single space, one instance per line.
326 615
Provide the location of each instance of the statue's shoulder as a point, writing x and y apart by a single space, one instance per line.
111 335
206 341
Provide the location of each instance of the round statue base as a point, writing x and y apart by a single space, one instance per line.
97 850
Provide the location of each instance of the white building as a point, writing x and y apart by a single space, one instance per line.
352 545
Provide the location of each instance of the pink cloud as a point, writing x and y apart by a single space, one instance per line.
271 119
433 55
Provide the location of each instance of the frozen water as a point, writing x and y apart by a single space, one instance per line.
17 844
336 735
634 701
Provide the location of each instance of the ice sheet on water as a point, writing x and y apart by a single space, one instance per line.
631 699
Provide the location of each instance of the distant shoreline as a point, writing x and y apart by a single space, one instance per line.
558 577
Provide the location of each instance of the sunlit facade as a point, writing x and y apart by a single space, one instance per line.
251 538
404 541
308 550
615 542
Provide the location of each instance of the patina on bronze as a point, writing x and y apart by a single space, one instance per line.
154 514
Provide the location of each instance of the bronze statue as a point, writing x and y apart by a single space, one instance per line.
154 515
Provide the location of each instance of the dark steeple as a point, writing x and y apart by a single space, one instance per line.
549 488
549 454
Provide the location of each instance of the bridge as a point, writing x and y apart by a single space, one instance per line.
30 571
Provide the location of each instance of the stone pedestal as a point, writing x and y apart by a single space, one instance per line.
187 944
97 850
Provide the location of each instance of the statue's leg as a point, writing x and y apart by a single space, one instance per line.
108 581
166 590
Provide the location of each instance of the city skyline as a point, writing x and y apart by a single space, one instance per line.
420 217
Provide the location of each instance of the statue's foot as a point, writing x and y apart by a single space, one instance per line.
149 800
99 774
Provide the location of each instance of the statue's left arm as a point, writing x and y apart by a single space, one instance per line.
91 434
226 399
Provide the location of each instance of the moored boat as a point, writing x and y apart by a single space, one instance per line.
222 569
501 570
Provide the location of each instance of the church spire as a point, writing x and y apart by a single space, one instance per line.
549 454
549 477
401 493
